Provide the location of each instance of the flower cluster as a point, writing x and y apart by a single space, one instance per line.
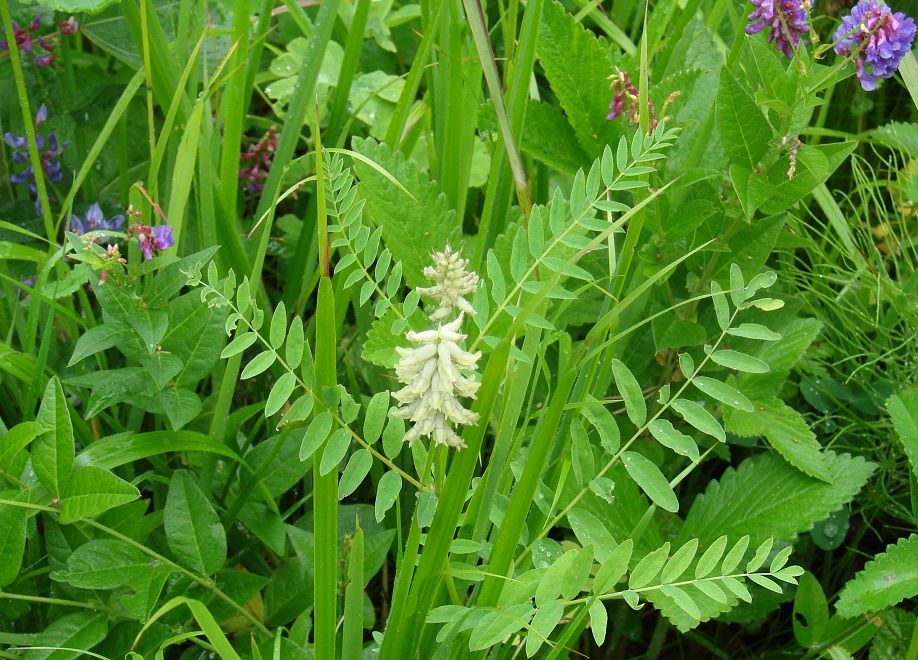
49 163
625 101
788 20
432 372
151 238
452 282
22 38
93 220
260 155
877 38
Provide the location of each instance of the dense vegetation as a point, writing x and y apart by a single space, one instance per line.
369 328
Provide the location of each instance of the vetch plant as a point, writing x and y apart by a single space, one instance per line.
787 20
877 38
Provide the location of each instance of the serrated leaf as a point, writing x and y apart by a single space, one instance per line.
651 480
700 418
631 392
891 577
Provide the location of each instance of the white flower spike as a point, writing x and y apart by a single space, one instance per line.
432 371
452 282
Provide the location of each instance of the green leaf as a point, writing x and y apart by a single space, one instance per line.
765 497
739 361
106 564
151 325
744 131
543 623
334 451
553 582
599 619
711 558
12 541
390 484
278 329
727 395
496 275
589 530
117 450
631 392
193 529
721 307
299 411
679 562
903 409
99 338
315 435
196 336
358 466
239 344
162 367
735 556
614 568
700 418
891 577
53 450
682 599
753 331
605 424
811 611
17 439
766 582
295 342
81 630
577 65
648 568
375 417
651 480
259 364
92 490
581 453
280 392
760 555
668 436
398 214
494 627
76 6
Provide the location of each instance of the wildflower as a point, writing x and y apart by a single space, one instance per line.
433 382
625 101
152 238
93 220
452 282
878 39
23 41
788 21
49 163
42 115
69 26
260 155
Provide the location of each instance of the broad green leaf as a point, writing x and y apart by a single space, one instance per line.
891 577
53 450
280 392
92 490
334 451
589 530
631 392
543 623
315 435
668 436
162 367
81 630
99 338
358 466
811 611
12 541
259 364
648 568
765 496
387 491
727 395
106 564
739 361
680 561
193 529
744 131
700 418
17 439
150 325
651 480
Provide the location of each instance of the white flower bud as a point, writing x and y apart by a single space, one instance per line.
451 282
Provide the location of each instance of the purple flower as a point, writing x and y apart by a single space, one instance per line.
49 163
42 115
69 26
788 21
23 41
152 238
879 39
93 220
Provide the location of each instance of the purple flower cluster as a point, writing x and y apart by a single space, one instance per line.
152 238
49 163
23 41
93 220
260 154
878 39
787 19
